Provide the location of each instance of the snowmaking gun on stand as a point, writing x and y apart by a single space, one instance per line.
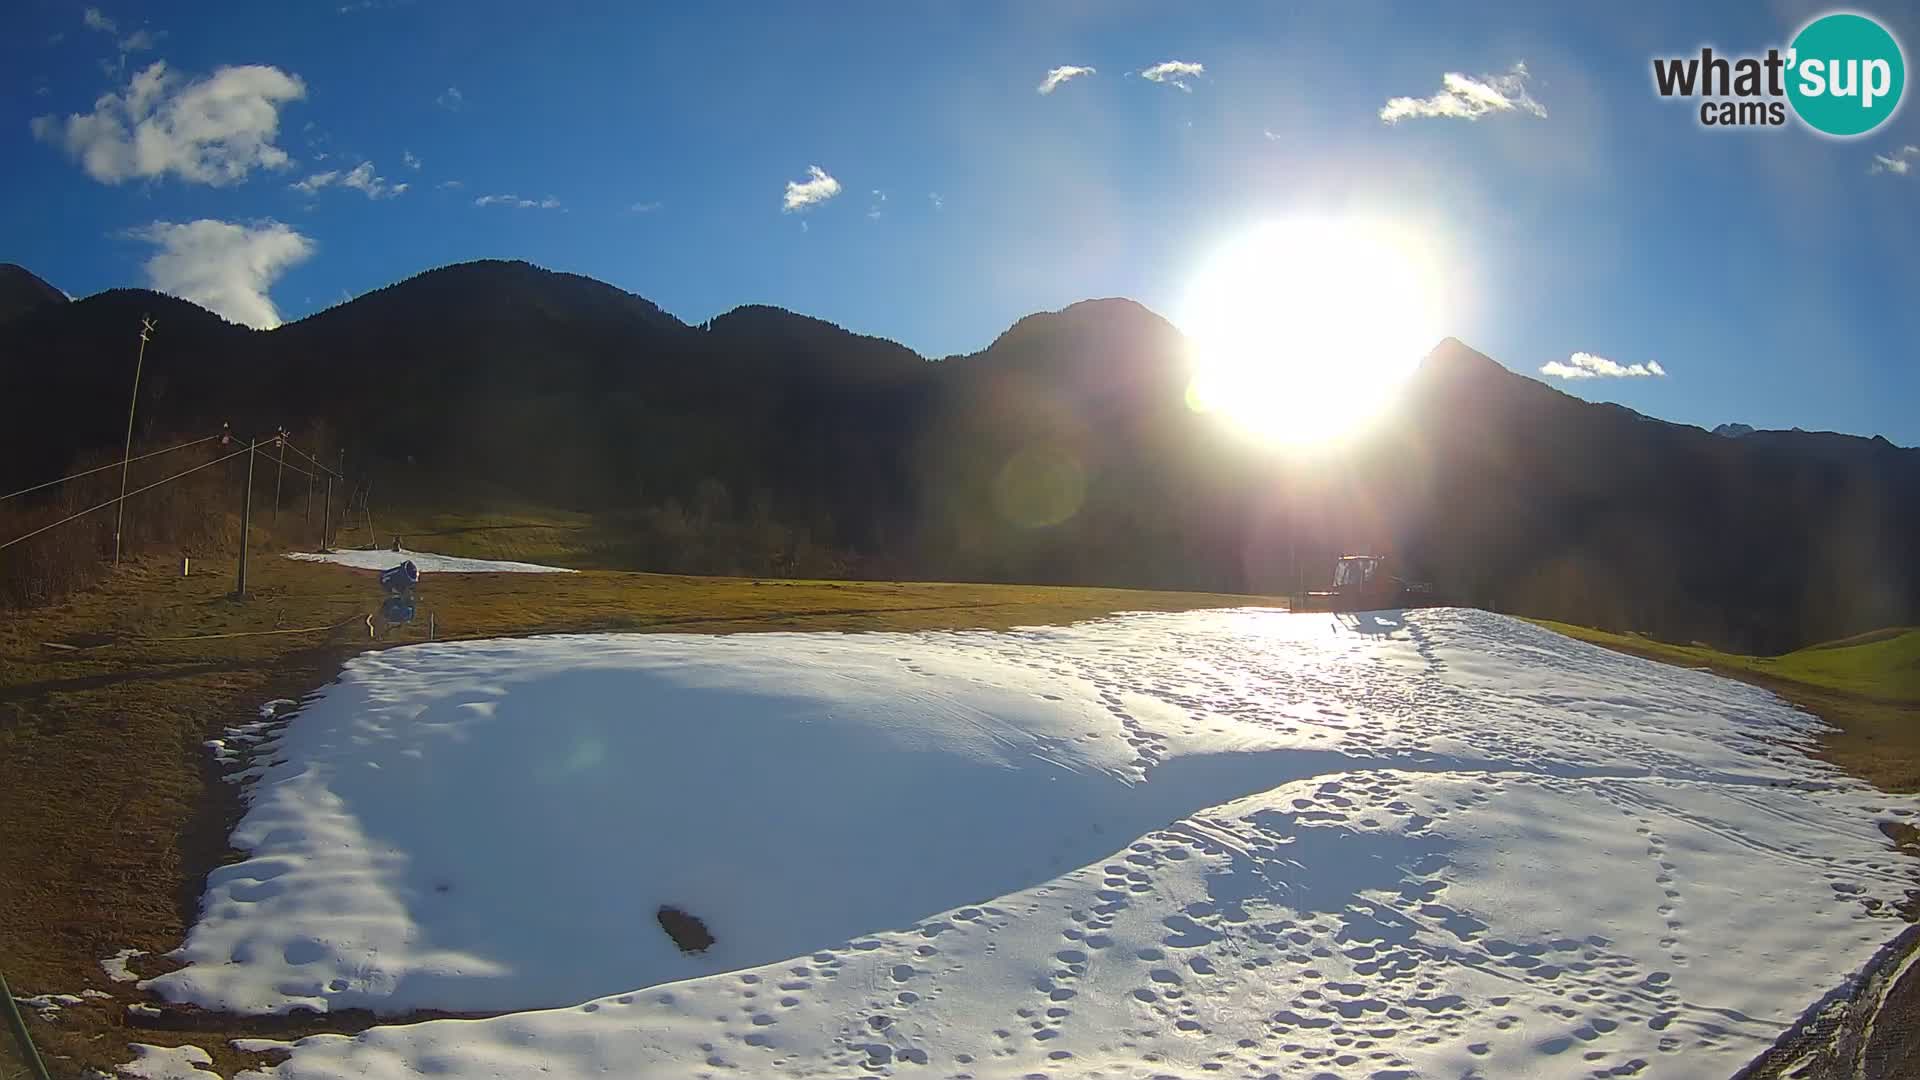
398 583
1366 583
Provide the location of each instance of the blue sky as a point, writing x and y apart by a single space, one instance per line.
1769 273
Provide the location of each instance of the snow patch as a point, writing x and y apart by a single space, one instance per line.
116 965
49 1005
168 1063
427 562
1431 843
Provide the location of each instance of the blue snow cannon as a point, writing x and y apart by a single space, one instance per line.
398 608
400 579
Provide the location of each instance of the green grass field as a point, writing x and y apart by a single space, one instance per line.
1867 687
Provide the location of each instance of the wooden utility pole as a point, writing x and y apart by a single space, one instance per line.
246 517
126 451
279 440
326 517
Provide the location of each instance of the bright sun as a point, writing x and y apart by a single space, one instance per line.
1302 329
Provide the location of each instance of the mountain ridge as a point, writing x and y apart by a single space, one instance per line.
1448 350
1062 452
22 291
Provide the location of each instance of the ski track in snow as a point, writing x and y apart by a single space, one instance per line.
426 561
1237 843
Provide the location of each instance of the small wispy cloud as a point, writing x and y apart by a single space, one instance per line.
878 203
1060 75
1588 366
451 99
1174 73
548 203
314 183
140 40
817 188
1898 163
1469 97
407 159
361 178
938 200
644 207
450 185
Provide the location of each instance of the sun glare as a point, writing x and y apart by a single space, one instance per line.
1303 329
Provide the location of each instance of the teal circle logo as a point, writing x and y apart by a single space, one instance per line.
1845 74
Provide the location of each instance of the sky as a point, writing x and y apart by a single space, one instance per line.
932 172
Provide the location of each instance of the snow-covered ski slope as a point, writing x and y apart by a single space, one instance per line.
1238 843
426 561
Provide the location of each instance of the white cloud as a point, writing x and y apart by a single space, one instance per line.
874 208
817 188
211 131
407 159
1588 366
361 178
644 207
938 200
1061 74
1466 97
1174 72
222 266
1899 163
548 203
450 98
138 41
450 184
315 182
